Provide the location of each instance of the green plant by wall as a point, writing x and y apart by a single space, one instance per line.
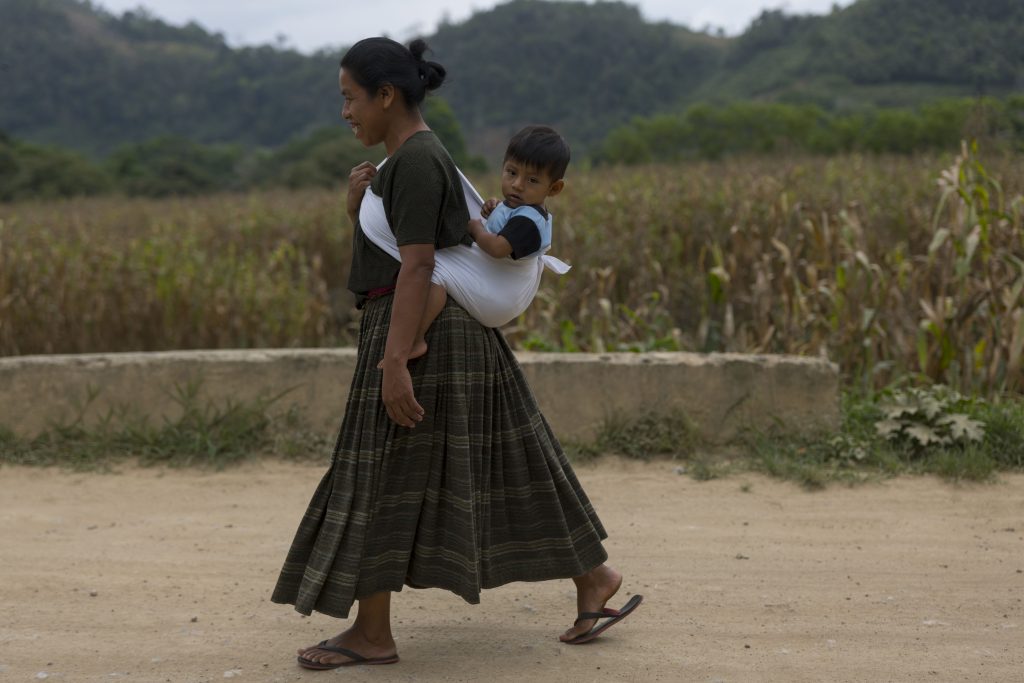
926 417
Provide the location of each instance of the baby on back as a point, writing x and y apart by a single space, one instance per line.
497 277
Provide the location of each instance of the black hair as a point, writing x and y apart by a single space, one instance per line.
374 62
540 147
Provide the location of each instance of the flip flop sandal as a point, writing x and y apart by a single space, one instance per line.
613 617
354 658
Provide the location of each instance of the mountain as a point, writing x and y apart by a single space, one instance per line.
582 68
876 52
74 75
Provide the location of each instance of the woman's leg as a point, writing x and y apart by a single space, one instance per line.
370 634
593 590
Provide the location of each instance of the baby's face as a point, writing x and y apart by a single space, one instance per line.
522 184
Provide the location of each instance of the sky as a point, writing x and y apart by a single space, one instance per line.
312 24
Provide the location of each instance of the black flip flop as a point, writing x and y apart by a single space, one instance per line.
613 617
354 658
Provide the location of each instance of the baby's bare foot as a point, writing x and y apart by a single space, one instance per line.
419 349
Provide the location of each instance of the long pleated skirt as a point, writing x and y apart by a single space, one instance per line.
477 495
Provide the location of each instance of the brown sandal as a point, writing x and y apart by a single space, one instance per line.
354 657
613 616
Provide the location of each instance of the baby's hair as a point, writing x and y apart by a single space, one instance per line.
373 62
540 147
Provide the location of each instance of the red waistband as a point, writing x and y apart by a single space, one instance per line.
379 292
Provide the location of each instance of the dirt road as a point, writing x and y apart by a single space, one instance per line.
150 575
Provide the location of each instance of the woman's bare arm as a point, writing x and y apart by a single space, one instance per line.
406 313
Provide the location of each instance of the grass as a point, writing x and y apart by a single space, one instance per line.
670 434
854 453
204 435
216 436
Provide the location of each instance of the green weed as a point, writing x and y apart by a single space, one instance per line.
860 451
204 435
215 436
856 452
665 434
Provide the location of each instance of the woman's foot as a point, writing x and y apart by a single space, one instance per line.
593 590
354 640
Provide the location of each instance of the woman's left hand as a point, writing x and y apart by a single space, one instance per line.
397 394
358 180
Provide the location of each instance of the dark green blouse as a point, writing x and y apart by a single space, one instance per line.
424 204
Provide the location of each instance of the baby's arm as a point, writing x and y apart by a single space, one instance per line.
494 245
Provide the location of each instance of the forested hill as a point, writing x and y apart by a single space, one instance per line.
581 67
77 76
881 52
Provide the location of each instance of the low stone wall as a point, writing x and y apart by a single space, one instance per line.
721 393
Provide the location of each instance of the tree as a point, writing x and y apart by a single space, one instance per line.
173 166
40 172
441 119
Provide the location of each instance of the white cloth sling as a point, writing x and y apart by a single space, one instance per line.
494 291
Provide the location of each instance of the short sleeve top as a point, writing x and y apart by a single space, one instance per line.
527 228
424 204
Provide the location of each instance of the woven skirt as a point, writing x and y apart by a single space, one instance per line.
477 495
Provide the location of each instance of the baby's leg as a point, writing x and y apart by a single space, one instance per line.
436 298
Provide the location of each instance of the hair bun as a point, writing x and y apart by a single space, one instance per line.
431 73
417 48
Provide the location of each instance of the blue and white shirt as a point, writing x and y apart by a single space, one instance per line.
527 228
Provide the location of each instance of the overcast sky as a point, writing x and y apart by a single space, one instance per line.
312 24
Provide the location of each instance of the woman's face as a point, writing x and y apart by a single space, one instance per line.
363 111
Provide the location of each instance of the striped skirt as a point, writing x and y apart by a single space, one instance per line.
477 495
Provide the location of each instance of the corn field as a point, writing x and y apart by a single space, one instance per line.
893 267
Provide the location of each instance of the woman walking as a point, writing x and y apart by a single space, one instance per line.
445 474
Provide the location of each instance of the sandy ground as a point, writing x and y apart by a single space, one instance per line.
148 575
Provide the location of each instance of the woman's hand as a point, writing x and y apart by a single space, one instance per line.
358 180
489 206
397 394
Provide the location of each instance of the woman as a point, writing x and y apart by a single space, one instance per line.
445 474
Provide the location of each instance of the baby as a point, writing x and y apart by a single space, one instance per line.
517 228
497 277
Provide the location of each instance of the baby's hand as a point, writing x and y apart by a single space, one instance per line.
490 205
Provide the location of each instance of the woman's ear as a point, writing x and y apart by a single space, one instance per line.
386 93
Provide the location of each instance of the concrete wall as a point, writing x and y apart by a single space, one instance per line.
722 393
